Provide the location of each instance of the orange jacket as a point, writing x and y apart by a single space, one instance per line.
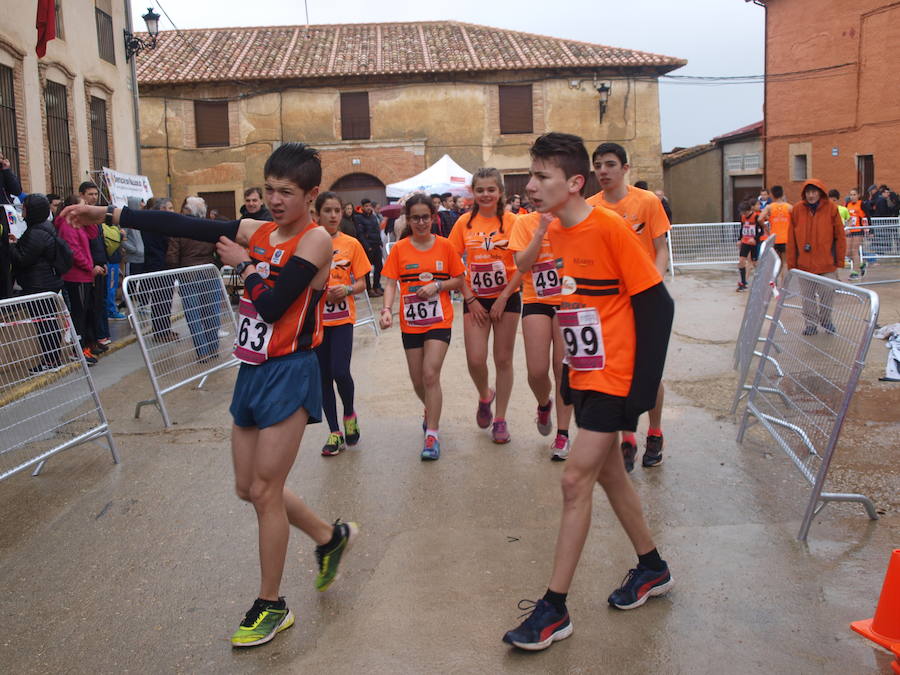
822 230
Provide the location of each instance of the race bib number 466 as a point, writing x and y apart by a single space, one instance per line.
583 337
488 278
422 312
252 342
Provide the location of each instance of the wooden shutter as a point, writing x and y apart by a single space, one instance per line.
355 116
211 120
223 201
516 109
105 40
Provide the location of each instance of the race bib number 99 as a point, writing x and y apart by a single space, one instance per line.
422 312
252 342
583 337
546 279
488 279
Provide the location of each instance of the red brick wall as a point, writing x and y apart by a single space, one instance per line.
389 164
854 107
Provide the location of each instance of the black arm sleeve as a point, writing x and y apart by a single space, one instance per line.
653 313
175 225
272 303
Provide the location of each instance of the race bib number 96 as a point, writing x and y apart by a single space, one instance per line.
488 278
336 310
422 312
584 338
252 342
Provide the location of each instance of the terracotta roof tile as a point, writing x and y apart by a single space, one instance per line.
754 129
295 52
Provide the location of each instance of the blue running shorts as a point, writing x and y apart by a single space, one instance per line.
274 390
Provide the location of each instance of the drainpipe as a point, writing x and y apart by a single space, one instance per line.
135 104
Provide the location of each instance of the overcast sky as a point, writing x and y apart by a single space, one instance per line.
717 37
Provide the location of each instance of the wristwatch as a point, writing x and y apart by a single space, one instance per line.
107 219
241 266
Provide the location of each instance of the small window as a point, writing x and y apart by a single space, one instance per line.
355 124
211 123
9 137
734 162
99 133
223 202
752 161
60 32
799 167
105 42
516 109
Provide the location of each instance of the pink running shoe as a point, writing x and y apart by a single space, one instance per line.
484 416
499 432
544 425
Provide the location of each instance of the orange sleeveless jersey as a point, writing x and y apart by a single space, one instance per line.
413 269
349 263
858 217
543 283
644 213
779 220
748 229
604 264
489 260
300 327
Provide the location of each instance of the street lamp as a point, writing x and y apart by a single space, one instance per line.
603 89
134 44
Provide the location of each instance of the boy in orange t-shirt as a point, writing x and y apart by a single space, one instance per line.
616 317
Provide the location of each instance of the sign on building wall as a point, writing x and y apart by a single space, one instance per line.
122 186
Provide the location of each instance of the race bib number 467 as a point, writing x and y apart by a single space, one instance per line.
252 342
583 337
422 312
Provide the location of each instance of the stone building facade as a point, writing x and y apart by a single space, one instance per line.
63 115
481 95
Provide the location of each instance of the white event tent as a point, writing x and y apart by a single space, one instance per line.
444 175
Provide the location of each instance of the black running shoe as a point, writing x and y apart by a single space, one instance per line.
629 451
639 585
541 629
653 451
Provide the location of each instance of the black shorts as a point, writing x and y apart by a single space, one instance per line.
781 248
749 250
417 340
514 304
530 308
596 411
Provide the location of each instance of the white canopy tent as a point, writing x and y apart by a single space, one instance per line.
444 175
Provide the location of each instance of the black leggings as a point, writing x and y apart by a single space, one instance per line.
334 364
81 308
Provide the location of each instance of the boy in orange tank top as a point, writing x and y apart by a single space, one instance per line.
285 266
616 317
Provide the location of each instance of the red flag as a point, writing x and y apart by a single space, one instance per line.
45 24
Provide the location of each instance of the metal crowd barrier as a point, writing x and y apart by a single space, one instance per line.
48 402
879 247
185 327
811 361
703 244
762 289
364 302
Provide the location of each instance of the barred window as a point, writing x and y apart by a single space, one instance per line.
99 133
9 138
105 42
60 32
58 137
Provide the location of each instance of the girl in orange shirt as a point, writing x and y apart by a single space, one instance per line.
491 296
427 269
349 267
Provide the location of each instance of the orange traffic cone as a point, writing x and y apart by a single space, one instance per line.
884 627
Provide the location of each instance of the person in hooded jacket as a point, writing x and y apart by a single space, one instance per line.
32 258
816 243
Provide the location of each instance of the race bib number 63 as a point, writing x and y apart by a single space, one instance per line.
252 342
583 336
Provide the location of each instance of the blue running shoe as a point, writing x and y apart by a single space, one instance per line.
640 584
543 626
432 449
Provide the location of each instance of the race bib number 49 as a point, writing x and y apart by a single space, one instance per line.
546 279
583 337
252 342
422 312
488 278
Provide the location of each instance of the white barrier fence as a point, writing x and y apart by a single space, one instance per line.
48 401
